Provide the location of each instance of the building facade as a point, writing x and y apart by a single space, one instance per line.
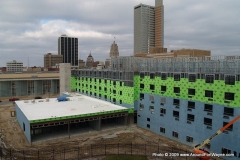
114 50
52 60
89 61
14 66
148 27
184 99
68 48
29 84
176 53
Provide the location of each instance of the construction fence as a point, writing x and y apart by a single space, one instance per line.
96 150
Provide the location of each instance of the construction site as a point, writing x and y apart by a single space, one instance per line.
123 139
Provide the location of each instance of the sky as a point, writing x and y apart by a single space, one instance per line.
29 29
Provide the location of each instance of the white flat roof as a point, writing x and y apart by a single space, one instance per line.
78 105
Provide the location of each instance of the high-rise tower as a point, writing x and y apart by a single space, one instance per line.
114 50
68 48
148 27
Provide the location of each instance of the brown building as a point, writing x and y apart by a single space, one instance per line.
159 21
81 64
51 60
177 53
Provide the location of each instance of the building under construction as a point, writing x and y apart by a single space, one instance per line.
51 118
184 99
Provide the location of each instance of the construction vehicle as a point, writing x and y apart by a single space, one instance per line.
205 154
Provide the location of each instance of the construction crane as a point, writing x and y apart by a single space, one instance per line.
198 148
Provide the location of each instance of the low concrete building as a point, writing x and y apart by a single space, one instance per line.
41 118
29 84
14 66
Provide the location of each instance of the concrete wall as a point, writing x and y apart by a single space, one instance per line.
197 129
22 119
65 75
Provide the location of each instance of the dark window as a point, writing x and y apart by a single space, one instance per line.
189 139
230 80
228 111
151 108
105 89
114 83
190 117
208 121
162 110
95 87
164 76
226 151
177 77
105 81
120 102
176 101
141 75
152 87
208 94
191 91
23 126
176 114
141 86
176 89
100 88
175 134
152 75
141 107
209 79
105 97
235 154
141 96
229 96
120 92
163 88
208 107
230 128
148 125
162 130
192 78
120 83
191 105
114 91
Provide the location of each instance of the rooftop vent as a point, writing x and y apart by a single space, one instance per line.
25 101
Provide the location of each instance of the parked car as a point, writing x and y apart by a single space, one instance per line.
13 99
38 97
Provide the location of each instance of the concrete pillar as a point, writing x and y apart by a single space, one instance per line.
65 77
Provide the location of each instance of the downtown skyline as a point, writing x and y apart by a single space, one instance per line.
31 29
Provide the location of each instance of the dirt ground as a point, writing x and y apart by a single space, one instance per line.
11 136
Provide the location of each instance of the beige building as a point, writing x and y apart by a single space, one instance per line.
81 64
177 53
114 50
51 60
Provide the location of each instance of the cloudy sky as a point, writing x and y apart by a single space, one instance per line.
30 28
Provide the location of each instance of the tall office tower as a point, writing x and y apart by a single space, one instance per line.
68 48
159 21
148 27
114 50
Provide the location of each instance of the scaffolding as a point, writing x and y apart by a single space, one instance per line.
204 65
